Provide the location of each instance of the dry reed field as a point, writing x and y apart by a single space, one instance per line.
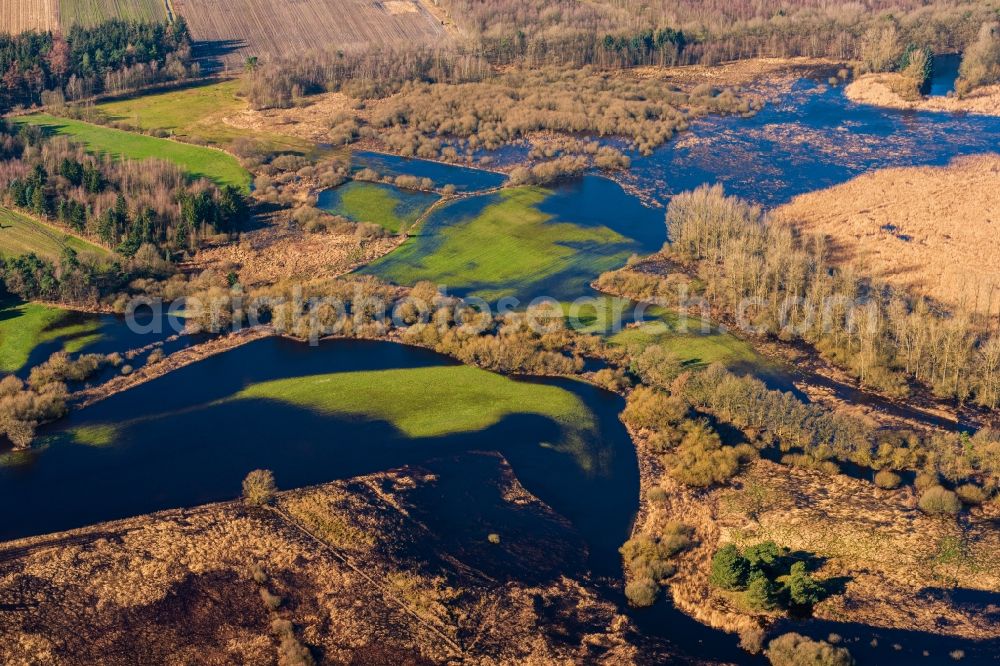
935 230
261 28
19 15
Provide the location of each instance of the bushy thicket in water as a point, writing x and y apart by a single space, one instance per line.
793 649
23 405
981 60
665 412
430 108
114 56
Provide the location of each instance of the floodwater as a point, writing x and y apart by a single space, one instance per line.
175 450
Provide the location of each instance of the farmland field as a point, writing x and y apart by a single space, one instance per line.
92 12
196 112
199 162
381 204
240 28
20 15
20 234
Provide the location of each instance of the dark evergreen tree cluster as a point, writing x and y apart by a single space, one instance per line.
769 577
148 212
88 61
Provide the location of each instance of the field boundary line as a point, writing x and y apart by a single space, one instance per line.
371 579
53 230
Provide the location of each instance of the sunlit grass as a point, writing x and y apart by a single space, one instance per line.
209 163
197 112
425 402
20 234
24 326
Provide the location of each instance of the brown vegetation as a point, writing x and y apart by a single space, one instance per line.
932 230
284 250
626 33
893 556
231 583
881 90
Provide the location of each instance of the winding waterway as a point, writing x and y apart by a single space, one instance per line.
181 440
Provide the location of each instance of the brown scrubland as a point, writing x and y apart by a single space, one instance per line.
896 563
934 231
353 571
880 90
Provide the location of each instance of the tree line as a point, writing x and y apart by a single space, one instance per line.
658 32
113 56
150 213
783 284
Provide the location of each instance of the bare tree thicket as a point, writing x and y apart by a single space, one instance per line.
981 60
783 284
631 32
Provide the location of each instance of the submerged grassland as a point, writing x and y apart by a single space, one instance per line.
24 326
200 162
387 206
522 242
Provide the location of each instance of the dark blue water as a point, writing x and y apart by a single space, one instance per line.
811 138
106 333
175 448
463 178
943 74
590 202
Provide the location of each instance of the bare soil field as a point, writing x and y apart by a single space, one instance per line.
876 89
20 15
934 230
235 29
355 571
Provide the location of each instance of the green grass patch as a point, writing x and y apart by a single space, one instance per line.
381 204
89 13
506 245
20 234
198 161
96 435
24 326
696 343
425 402
196 112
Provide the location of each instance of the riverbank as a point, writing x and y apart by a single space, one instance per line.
360 568
884 554
877 90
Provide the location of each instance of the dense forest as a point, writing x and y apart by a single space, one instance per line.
114 56
149 212
633 32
